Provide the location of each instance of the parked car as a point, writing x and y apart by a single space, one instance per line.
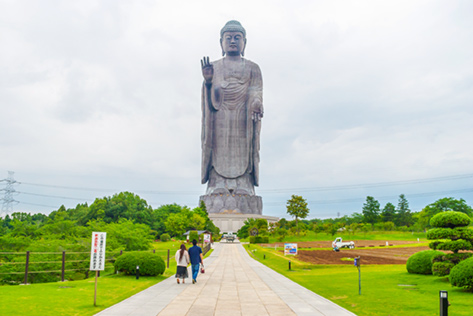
229 237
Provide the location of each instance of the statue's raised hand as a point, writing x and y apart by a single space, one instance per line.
207 69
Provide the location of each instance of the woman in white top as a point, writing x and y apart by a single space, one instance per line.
182 259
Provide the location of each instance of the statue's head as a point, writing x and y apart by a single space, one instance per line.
233 38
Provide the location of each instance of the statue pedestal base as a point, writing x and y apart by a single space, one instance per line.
233 222
233 204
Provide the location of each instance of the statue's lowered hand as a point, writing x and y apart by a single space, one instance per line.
257 107
207 69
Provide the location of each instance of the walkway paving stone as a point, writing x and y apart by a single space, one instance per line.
233 284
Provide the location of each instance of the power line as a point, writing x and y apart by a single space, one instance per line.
369 185
111 190
279 190
34 204
415 195
55 196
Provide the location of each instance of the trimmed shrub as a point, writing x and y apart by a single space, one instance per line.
461 275
442 268
434 244
454 245
165 237
450 219
454 258
449 233
421 262
149 263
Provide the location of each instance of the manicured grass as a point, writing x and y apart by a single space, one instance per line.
71 298
386 289
372 235
77 297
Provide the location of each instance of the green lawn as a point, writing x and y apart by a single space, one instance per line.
386 289
372 235
77 297
71 298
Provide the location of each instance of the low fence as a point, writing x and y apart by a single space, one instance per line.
39 267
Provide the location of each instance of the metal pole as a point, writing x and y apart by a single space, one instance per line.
289 264
168 258
95 294
26 266
443 303
63 265
138 272
359 281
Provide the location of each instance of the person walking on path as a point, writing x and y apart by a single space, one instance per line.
195 254
182 259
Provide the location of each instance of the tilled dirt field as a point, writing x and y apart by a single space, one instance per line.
385 255
367 256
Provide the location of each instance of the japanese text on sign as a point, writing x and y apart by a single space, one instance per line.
97 251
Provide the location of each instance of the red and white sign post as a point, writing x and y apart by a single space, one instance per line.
97 257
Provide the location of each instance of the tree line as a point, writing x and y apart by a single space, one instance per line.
130 223
371 217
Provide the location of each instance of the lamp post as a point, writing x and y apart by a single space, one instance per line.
358 264
443 303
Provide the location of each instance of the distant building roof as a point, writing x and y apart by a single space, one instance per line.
200 232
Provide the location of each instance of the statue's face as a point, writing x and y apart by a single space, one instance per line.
233 43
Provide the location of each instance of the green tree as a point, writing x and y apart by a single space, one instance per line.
297 207
122 205
371 210
389 212
160 215
403 213
176 224
442 205
331 229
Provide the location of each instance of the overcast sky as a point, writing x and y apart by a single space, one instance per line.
361 98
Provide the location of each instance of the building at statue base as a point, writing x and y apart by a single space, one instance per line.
232 222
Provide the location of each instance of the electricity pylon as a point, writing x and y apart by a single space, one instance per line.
8 200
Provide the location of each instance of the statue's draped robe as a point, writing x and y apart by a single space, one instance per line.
230 137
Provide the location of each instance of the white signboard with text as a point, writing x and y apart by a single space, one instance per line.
97 251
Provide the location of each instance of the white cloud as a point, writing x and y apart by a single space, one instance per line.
107 95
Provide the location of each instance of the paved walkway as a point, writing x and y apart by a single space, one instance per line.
233 284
